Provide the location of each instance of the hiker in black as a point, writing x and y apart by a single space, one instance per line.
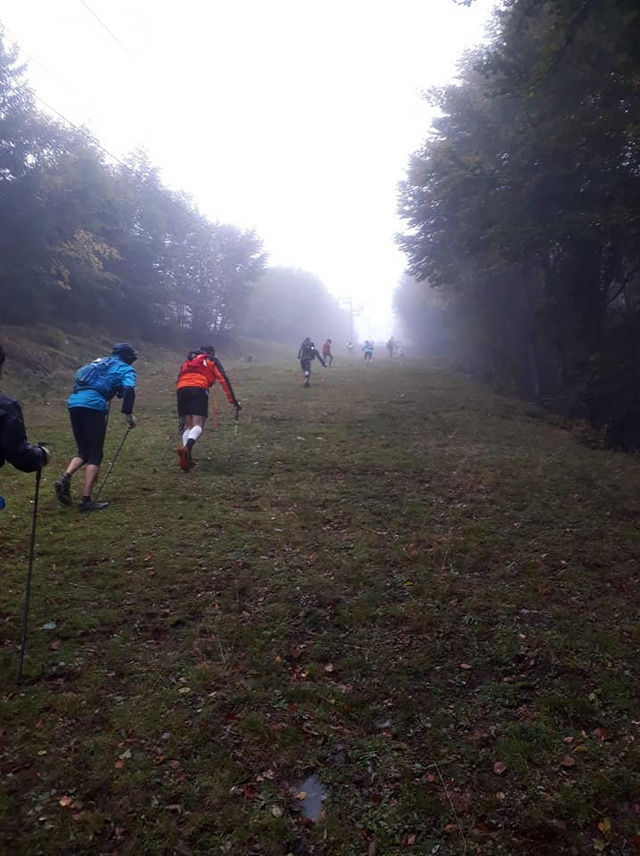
306 355
14 446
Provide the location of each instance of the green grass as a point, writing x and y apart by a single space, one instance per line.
399 580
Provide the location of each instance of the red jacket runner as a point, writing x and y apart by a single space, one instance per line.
203 371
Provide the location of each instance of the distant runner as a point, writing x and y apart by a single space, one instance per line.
326 352
391 344
197 375
368 349
306 354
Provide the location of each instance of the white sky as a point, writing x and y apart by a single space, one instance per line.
295 117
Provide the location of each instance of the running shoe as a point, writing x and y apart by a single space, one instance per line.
63 490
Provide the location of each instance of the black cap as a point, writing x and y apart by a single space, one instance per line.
126 352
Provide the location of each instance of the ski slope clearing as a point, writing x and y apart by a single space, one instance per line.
417 592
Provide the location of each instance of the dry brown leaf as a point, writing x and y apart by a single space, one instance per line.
568 761
499 768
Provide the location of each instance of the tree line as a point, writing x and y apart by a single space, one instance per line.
523 210
91 241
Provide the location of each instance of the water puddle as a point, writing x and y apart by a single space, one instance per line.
315 793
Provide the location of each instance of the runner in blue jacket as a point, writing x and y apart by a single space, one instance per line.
95 385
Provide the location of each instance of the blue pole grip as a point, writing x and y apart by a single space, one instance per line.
2 503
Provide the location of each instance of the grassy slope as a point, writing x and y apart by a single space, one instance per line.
399 581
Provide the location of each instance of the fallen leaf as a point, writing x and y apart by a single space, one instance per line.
174 764
148 555
601 734
301 795
276 811
40 723
465 666
329 667
65 801
568 761
411 839
119 765
499 768
605 825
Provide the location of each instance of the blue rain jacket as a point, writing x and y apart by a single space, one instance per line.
119 375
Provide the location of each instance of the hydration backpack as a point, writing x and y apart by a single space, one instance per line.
95 375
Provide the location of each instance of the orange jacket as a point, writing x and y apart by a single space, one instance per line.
203 371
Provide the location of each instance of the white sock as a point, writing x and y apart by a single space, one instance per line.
185 437
195 432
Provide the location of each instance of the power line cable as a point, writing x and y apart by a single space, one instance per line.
198 218
79 128
37 62
104 26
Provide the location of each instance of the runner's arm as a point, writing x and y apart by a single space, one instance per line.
128 391
225 383
14 446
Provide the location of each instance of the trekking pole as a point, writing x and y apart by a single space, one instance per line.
112 464
233 439
27 596
172 438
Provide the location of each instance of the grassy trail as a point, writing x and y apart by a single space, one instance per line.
418 590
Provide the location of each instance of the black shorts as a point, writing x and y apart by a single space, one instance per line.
89 428
193 401
305 365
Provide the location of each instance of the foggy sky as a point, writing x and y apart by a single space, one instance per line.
296 118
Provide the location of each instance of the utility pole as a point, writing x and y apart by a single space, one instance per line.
354 312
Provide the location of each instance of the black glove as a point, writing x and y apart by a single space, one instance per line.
238 407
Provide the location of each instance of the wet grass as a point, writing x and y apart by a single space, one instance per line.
415 589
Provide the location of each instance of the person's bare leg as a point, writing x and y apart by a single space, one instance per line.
74 466
196 429
90 479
